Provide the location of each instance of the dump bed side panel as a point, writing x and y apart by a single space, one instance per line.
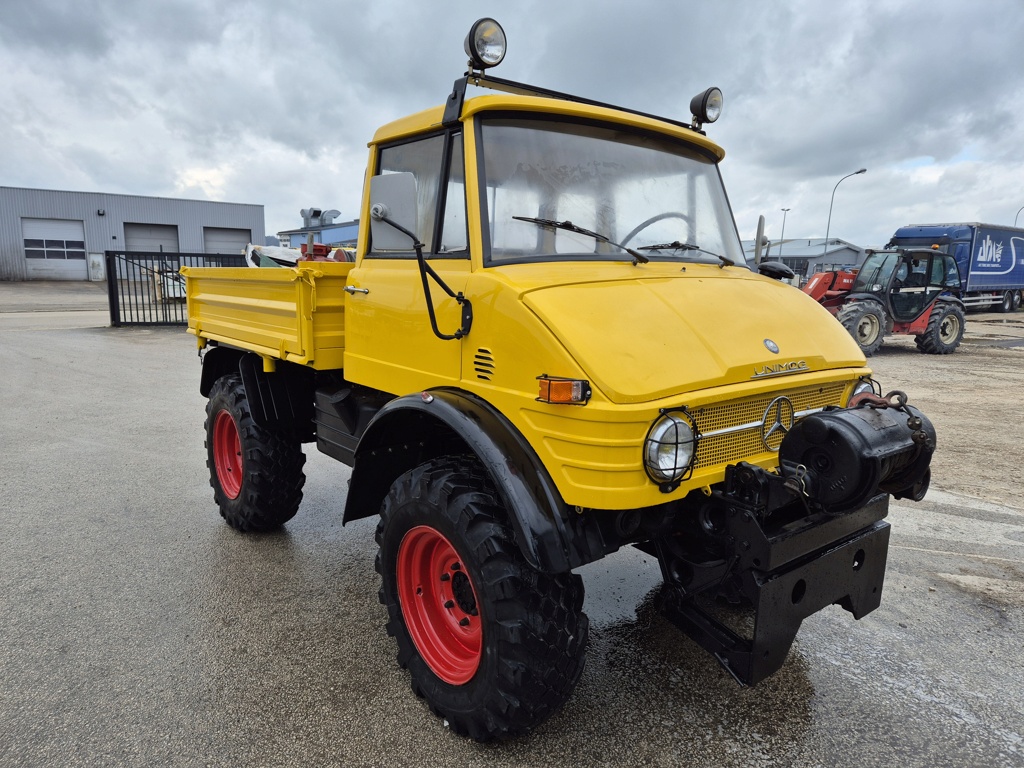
296 315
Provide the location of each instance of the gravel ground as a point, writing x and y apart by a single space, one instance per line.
974 399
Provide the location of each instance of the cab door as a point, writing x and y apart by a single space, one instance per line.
921 280
389 342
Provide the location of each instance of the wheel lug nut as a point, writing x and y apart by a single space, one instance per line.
446 577
463 622
450 604
456 566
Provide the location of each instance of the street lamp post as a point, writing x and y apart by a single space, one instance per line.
782 237
828 226
1018 214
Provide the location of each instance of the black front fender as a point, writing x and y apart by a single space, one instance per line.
416 428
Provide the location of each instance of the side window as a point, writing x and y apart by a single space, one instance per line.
901 273
422 159
454 234
918 276
952 273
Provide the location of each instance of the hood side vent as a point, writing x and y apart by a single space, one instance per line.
483 364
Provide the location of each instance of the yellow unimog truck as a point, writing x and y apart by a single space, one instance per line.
549 346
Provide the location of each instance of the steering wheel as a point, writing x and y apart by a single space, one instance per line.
654 219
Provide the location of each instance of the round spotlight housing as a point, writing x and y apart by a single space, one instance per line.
706 107
862 387
485 44
669 449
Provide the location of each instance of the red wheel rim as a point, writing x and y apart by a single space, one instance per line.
227 454
439 605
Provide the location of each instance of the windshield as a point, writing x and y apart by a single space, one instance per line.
634 189
874 274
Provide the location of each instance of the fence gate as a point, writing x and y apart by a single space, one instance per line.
146 288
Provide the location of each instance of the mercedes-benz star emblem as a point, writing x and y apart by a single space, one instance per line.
771 346
777 421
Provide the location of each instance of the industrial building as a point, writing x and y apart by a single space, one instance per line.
805 256
322 227
56 235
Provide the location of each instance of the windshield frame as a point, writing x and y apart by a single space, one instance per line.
730 231
888 261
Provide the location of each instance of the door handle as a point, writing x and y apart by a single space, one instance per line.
353 290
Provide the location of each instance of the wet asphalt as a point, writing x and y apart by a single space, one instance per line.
137 629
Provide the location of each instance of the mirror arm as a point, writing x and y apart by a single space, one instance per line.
426 269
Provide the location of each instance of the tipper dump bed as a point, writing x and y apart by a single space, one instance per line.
294 314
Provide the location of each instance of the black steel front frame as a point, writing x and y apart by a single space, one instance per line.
850 574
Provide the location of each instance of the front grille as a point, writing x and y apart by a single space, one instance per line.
739 422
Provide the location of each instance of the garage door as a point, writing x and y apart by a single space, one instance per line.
223 240
54 249
148 238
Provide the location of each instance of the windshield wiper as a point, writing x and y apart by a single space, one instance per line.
675 245
638 258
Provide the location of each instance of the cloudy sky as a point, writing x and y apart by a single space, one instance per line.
273 101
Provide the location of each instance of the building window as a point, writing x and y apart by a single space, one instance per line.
799 266
54 249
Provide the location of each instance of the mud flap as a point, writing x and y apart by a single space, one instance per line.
850 574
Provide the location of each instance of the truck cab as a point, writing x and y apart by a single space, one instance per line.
599 248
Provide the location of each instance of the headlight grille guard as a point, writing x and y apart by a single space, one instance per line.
687 470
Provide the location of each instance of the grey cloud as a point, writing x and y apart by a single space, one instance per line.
280 97
57 27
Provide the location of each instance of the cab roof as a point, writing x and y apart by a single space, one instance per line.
432 119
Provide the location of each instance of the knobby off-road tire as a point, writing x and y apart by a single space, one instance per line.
494 646
945 330
256 473
865 320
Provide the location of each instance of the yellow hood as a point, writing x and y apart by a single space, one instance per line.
646 338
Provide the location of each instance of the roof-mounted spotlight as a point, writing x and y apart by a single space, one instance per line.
485 44
706 107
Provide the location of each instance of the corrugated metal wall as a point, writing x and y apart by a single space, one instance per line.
106 231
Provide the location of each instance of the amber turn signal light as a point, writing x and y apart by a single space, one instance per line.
563 391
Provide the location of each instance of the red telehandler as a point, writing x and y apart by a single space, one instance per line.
902 291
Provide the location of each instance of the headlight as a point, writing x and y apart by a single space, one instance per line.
863 387
485 44
669 449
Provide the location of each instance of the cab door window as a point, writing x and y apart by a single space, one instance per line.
422 159
426 159
936 280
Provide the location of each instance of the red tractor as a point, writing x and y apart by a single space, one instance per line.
903 291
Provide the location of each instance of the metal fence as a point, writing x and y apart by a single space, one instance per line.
146 288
